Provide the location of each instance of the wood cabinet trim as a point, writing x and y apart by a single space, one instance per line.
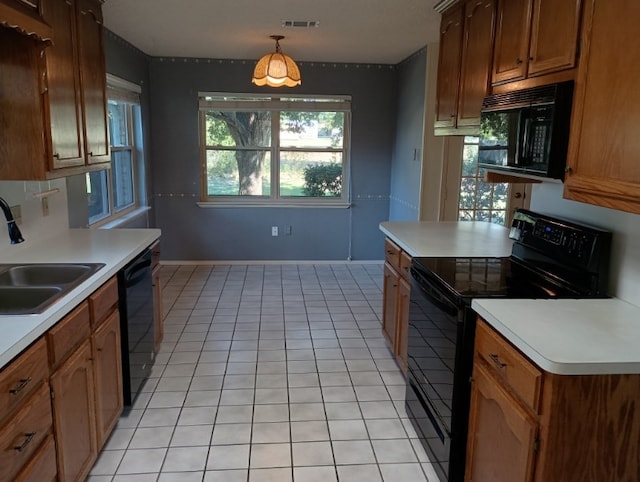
103 301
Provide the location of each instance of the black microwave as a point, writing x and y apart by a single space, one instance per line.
527 131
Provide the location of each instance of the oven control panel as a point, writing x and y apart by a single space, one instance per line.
580 245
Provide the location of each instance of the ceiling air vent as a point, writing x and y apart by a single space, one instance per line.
300 23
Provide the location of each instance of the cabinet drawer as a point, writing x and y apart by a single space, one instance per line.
392 253
520 375
24 432
68 334
405 264
103 301
22 376
42 467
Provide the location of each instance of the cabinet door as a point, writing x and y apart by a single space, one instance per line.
63 92
389 303
93 80
107 369
554 35
402 323
158 329
604 147
449 68
74 415
477 49
22 150
502 435
511 48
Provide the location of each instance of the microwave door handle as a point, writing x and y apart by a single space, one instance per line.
525 155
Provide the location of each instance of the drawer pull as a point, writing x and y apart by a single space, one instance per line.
27 440
23 383
496 360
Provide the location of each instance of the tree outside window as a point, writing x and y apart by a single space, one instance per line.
274 149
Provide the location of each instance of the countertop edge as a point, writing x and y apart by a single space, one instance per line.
38 325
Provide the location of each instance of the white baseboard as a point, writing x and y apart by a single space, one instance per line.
209 262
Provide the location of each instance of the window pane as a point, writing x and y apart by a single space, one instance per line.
312 129
98 195
122 178
118 124
238 173
310 174
241 129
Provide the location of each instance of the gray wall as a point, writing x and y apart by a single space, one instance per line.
407 150
194 233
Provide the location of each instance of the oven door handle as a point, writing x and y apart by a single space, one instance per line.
434 295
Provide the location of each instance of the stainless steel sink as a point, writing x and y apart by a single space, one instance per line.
32 288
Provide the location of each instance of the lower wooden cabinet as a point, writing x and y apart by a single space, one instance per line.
21 436
42 467
158 322
502 444
395 303
72 391
107 370
526 424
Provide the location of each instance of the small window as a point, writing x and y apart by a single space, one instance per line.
114 192
479 200
270 150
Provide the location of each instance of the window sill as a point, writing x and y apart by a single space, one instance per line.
267 204
119 221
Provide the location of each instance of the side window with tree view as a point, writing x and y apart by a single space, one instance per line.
274 150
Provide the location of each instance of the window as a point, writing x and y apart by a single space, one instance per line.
114 192
479 200
272 150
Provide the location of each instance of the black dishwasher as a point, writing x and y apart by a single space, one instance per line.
136 324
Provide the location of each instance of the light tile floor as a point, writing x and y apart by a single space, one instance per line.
269 373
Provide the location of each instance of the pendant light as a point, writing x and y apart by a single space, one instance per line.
276 69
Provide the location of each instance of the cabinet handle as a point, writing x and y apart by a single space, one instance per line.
28 437
568 169
91 153
531 59
496 360
23 383
519 61
56 156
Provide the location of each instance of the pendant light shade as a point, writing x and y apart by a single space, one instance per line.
276 69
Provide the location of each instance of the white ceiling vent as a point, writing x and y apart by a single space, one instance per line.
300 23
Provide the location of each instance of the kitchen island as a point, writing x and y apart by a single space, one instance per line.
113 247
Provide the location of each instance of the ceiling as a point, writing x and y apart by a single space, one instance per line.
354 31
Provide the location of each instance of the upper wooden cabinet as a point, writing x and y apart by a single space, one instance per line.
477 47
535 37
466 46
53 115
449 68
76 84
602 164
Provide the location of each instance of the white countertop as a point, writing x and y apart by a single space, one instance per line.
449 239
114 247
569 337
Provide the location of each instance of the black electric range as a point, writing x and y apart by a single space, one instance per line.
551 258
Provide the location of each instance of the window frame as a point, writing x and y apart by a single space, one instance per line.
127 93
209 101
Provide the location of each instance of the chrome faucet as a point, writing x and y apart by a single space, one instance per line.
14 231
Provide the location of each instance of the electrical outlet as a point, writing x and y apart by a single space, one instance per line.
17 213
274 230
287 230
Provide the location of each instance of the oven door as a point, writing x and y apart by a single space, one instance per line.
439 366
